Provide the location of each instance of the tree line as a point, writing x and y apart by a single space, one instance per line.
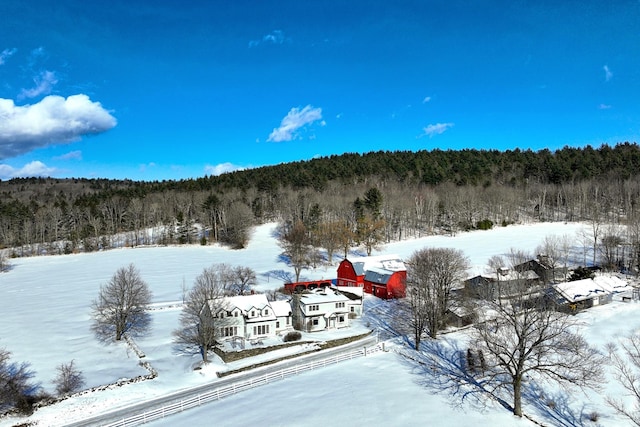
420 193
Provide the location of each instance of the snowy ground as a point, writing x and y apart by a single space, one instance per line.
45 307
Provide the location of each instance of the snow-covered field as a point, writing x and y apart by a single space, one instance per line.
45 320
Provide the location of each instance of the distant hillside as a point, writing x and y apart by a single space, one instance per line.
421 192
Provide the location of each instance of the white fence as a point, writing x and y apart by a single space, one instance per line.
217 393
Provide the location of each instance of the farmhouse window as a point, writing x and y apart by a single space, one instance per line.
229 331
261 330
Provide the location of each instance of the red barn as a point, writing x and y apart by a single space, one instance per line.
383 276
385 284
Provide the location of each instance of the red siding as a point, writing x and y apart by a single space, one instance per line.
347 275
395 287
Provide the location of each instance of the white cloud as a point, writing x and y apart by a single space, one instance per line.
39 51
143 167
274 37
35 168
5 54
52 120
44 83
216 170
436 129
604 106
607 73
426 99
295 120
72 155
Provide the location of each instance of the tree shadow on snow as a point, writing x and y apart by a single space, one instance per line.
285 276
555 407
284 259
441 366
381 315
105 332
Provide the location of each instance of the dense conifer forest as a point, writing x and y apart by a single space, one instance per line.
392 195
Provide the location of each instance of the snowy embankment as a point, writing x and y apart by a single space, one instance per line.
45 305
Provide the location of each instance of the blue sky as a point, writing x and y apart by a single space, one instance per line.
153 90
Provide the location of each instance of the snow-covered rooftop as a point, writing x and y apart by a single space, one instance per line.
508 275
354 290
320 296
580 290
281 308
611 283
378 275
387 262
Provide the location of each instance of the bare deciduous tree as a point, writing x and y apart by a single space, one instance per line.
69 379
244 279
329 235
121 306
551 249
235 222
611 242
370 233
295 242
594 232
431 275
4 264
626 363
525 339
16 388
198 325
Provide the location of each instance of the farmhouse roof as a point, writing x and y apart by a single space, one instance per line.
281 308
378 275
388 262
320 296
507 275
247 302
580 290
244 303
612 284
351 292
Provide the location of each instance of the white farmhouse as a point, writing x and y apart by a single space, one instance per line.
355 296
320 309
250 316
282 310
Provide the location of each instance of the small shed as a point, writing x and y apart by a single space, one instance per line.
581 294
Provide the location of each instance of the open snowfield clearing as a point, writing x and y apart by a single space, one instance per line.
45 305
